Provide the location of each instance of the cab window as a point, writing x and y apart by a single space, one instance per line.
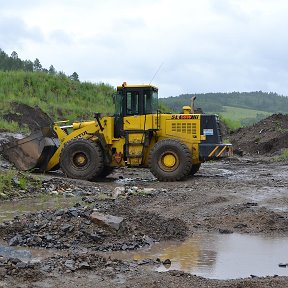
132 103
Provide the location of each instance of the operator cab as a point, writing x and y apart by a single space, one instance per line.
131 100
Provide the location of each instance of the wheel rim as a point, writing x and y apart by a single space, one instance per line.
168 161
80 159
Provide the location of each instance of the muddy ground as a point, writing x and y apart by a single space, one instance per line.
246 195
238 195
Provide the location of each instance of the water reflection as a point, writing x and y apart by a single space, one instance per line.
220 256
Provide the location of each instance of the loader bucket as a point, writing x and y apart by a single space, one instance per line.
33 151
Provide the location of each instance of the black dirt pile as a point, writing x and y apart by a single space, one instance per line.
73 227
268 136
33 117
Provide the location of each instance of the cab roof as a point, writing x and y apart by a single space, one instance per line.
125 85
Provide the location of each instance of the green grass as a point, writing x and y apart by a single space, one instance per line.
239 114
283 156
60 97
235 117
12 126
11 181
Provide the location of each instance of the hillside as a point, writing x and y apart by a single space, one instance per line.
214 102
236 109
57 95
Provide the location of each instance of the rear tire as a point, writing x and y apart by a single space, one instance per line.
170 160
82 159
195 168
107 170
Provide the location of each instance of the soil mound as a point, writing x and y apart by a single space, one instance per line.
33 117
268 136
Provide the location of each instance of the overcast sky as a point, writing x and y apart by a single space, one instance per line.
195 45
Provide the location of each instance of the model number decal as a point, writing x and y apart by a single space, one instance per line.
184 117
81 134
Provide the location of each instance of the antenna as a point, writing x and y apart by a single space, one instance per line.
156 72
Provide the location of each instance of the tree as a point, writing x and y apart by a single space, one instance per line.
28 65
74 77
52 70
37 65
14 55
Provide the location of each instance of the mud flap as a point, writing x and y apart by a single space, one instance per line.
31 152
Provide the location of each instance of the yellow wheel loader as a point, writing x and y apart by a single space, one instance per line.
172 145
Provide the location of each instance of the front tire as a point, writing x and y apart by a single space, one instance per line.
82 159
170 160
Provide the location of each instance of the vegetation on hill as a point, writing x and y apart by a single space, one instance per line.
215 102
14 63
57 95
236 109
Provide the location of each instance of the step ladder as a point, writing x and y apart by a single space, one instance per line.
135 142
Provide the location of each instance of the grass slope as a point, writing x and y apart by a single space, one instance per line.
57 95
235 117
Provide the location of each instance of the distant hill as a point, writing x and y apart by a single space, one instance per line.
215 102
244 108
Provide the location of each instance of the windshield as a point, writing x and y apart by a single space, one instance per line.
155 101
150 101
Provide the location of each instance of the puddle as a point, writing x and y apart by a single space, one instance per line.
9 209
218 256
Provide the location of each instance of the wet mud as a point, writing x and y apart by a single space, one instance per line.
240 196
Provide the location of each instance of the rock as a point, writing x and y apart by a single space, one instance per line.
54 192
144 261
49 237
95 236
167 262
88 199
148 240
132 190
117 192
69 194
67 227
149 191
225 231
73 212
21 265
240 225
124 247
14 260
16 181
110 221
16 240
84 265
70 264
3 195
59 212
46 268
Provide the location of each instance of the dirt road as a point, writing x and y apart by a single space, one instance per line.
240 195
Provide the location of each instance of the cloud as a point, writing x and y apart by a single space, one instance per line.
14 32
205 46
